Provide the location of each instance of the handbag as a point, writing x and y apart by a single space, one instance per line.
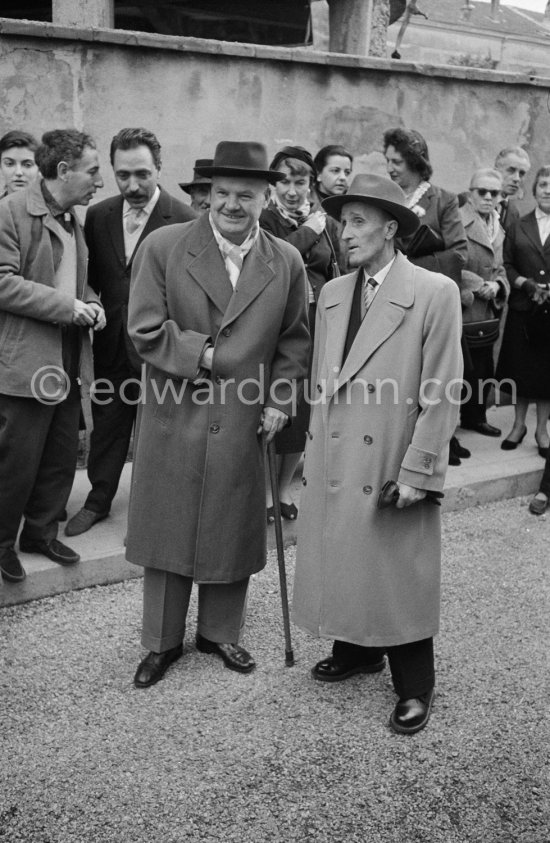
537 325
483 333
425 241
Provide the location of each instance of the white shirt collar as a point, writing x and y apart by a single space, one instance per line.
381 274
127 208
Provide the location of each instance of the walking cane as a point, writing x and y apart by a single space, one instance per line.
272 458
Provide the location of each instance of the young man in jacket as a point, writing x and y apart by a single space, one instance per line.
114 230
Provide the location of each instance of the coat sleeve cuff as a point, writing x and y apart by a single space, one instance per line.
419 461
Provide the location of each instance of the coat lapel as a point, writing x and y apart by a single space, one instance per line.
383 318
159 217
113 224
531 230
475 228
206 266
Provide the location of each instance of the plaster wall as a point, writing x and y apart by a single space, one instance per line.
193 93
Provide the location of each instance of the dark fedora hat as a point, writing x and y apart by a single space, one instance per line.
197 179
237 158
382 193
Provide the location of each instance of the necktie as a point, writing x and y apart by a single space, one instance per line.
369 289
134 219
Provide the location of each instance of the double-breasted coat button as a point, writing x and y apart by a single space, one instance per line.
370 387
214 428
367 490
541 271
304 481
367 440
226 332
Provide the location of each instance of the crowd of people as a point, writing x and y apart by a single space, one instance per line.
221 306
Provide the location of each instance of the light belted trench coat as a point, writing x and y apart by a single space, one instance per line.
197 503
365 575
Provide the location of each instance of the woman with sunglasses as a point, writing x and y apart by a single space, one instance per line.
294 215
524 361
483 290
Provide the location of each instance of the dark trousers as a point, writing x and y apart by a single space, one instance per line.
545 480
221 616
113 423
473 410
411 665
38 452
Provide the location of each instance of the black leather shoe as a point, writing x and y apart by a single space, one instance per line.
510 445
484 428
538 506
330 670
10 566
458 450
53 549
82 521
154 666
410 716
234 657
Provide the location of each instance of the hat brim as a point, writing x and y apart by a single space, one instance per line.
407 220
271 176
186 185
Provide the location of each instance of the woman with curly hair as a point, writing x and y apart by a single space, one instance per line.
445 247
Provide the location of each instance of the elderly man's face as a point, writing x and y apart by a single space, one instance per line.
200 198
236 205
83 178
514 168
368 233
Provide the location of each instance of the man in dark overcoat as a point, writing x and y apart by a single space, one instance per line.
114 230
218 313
386 371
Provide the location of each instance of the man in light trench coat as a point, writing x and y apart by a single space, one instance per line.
386 371
218 313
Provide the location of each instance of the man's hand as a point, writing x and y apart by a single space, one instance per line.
100 319
271 422
84 314
317 221
409 495
207 358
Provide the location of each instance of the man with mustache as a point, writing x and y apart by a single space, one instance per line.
114 229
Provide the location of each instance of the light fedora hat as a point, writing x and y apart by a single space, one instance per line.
241 158
382 193
197 179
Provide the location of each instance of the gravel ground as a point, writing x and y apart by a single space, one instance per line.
210 755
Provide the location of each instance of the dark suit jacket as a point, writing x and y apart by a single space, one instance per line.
109 275
525 255
314 248
508 213
441 213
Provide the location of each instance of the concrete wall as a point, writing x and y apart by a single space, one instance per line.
193 93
